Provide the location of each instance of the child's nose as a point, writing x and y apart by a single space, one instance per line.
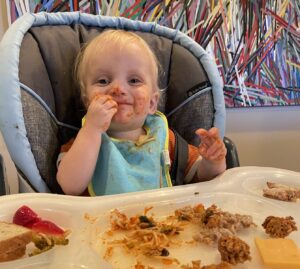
118 88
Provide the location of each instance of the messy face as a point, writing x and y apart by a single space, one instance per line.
125 73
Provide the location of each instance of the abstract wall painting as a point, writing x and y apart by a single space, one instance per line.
256 44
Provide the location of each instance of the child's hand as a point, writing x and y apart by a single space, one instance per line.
100 112
211 147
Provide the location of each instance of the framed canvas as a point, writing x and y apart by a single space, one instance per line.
256 44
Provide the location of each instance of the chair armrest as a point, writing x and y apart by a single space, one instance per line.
232 158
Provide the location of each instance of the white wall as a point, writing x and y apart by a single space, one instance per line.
268 136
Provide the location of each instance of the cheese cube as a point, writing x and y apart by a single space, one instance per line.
279 253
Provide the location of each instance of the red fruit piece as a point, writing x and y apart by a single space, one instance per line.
47 227
25 216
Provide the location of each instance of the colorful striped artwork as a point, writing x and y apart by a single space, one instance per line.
256 44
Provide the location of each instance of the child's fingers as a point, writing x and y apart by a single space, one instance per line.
211 147
113 111
110 104
218 154
209 136
204 137
202 149
215 146
217 151
104 102
201 132
214 133
101 98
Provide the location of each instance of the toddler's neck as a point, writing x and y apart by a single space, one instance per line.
132 135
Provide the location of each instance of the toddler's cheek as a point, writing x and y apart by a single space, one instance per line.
140 104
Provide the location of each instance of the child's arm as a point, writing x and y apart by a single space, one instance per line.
213 152
78 164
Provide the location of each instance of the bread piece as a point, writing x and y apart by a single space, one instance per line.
13 241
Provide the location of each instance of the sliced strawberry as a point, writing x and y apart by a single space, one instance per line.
25 216
47 227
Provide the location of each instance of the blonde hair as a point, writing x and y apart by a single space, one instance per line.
111 37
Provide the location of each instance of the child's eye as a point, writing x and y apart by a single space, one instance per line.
103 81
135 81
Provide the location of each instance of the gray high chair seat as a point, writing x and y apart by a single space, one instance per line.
40 104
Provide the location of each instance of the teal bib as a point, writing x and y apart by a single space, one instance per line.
128 166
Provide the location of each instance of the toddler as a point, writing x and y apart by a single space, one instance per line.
124 144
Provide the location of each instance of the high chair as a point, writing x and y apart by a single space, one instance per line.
40 107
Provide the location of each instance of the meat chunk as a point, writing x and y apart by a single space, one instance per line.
218 223
281 192
216 218
233 250
279 227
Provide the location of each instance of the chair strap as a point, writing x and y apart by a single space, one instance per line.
180 160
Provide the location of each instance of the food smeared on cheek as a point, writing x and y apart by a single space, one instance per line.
120 116
116 91
140 104
94 97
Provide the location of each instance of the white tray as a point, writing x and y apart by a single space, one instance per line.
238 190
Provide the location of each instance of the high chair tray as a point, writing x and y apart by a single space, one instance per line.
238 190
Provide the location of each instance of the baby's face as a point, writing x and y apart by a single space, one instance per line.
128 76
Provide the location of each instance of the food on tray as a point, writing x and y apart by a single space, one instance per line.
197 265
166 261
47 227
120 221
43 233
281 192
216 218
147 242
46 234
222 265
279 227
195 214
44 242
194 265
25 216
142 235
279 253
218 223
13 241
145 235
141 266
233 250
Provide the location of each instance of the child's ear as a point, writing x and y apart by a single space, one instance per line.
85 100
83 94
153 102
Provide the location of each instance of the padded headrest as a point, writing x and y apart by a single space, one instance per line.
50 52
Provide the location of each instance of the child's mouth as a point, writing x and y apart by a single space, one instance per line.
123 103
